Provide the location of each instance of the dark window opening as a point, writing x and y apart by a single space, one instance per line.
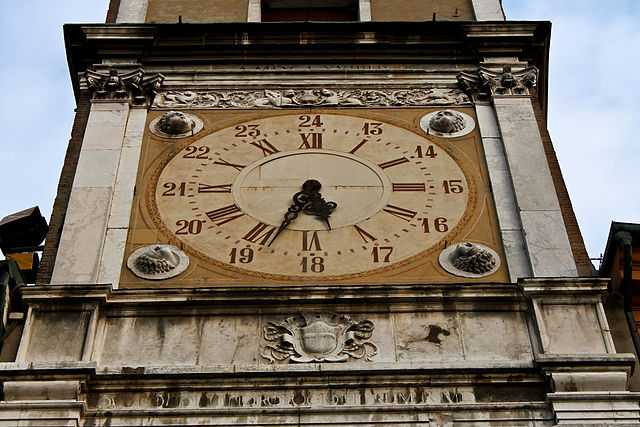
309 10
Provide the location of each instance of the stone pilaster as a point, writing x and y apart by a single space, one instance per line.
97 218
536 202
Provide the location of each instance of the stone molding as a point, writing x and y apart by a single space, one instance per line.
108 84
304 98
485 83
41 390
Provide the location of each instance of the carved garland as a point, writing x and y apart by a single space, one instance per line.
321 97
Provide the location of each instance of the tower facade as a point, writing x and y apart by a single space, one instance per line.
287 212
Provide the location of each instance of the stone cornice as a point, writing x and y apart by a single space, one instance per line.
447 46
501 294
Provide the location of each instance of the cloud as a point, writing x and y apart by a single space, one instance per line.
593 105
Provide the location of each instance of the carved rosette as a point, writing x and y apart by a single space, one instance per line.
486 83
470 260
111 85
158 262
176 124
318 337
447 123
322 97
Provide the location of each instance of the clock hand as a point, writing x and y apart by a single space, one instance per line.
308 201
292 213
316 204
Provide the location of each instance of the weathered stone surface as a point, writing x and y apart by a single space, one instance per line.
83 235
56 336
582 320
140 341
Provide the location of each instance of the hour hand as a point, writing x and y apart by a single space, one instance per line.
288 218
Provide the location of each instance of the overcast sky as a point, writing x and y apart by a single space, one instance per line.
594 99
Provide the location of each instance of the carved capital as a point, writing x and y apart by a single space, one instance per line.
508 82
111 85
486 84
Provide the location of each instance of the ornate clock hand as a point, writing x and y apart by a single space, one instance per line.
308 201
316 204
292 213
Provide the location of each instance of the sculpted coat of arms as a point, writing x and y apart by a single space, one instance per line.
318 337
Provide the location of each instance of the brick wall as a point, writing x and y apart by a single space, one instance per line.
578 248
64 190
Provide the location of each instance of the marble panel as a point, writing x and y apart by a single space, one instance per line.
112 256
582 320
548 244
525 155
56 336
174 340
487 121
121 204
495 336
488 10
135 127
364 10
254 11
132 11
501 185
516 253
97 168
428 336
83 235
229 341
105 128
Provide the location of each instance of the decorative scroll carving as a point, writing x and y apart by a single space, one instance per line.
133 86
510 82
471 260
158 262
484 84
447 123
322 97
176 124
318 338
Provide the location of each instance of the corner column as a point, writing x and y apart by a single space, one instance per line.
522 165
97 219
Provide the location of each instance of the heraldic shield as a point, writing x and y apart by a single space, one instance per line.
318 337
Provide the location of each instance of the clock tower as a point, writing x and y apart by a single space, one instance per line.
301 212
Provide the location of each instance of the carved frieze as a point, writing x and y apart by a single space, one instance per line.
318 337
320 97
113 85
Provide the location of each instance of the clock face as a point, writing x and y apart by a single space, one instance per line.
395 195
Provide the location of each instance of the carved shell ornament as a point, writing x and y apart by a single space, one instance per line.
471 260
158 262
176 124
447 123
318 337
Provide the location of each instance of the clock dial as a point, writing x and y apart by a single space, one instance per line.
225 196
